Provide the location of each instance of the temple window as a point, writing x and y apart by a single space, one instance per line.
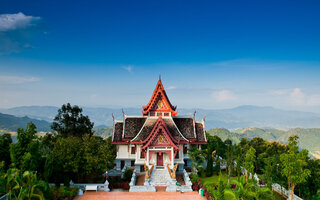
133 150
142 155
185 149
177 155
132 163
166 114
159 114
152 114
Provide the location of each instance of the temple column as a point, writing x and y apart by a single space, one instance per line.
172 156
148 157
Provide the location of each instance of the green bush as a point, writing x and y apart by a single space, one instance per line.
194 178
63 192
127 174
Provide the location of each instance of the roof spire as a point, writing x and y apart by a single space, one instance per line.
159 77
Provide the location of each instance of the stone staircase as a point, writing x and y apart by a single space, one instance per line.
160 177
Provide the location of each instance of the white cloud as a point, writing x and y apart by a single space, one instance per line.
223 95
171 88
129 68
16 21
297 97
4 79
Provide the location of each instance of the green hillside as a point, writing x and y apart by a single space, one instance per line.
12 123
309 138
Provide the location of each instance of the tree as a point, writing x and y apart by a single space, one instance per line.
25 153
65 160
71 122
249 162
196 156
79 159
208 151
268 172
294 165
5 141
230 157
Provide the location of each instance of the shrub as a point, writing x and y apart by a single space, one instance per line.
127 174
63 192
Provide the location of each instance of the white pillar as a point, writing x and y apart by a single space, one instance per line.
172 157
148 156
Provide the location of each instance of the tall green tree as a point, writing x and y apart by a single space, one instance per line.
5 142
294 165
196 157
208 152
25 153
249 162
71 122
230 157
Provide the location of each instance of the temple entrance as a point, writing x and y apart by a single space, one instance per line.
159 159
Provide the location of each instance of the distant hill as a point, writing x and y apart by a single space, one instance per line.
12 123
103 132
308 138
235 118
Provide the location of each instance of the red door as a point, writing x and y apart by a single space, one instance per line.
160 159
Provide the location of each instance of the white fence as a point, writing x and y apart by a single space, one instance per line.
281 190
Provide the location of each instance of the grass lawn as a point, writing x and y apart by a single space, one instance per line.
215 179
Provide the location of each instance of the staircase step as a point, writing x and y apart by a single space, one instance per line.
160 177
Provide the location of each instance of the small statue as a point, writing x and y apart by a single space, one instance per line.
173 175
146 168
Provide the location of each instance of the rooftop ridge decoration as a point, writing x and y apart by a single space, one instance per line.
162 105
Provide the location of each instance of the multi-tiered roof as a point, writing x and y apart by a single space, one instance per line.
158 117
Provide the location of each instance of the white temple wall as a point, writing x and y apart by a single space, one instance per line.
122 151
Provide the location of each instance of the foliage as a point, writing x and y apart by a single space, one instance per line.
5 141
63 192
79 159
230 157
25 153
268 173
309 137
24 186
294 165
196 156
127 175
249 162
71 122
217 168
194 178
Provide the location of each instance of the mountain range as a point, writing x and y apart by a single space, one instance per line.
308 138
234 118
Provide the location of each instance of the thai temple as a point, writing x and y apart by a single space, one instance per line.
158 138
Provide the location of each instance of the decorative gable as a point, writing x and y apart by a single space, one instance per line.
160 140
160 136
159 102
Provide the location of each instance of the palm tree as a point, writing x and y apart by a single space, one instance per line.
250 190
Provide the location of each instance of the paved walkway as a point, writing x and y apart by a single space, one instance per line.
91 195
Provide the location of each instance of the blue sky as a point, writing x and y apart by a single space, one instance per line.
211 54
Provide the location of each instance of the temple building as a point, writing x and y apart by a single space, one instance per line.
159 137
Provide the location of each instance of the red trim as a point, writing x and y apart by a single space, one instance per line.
159 90
155 131
198 142
125 139
119 142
